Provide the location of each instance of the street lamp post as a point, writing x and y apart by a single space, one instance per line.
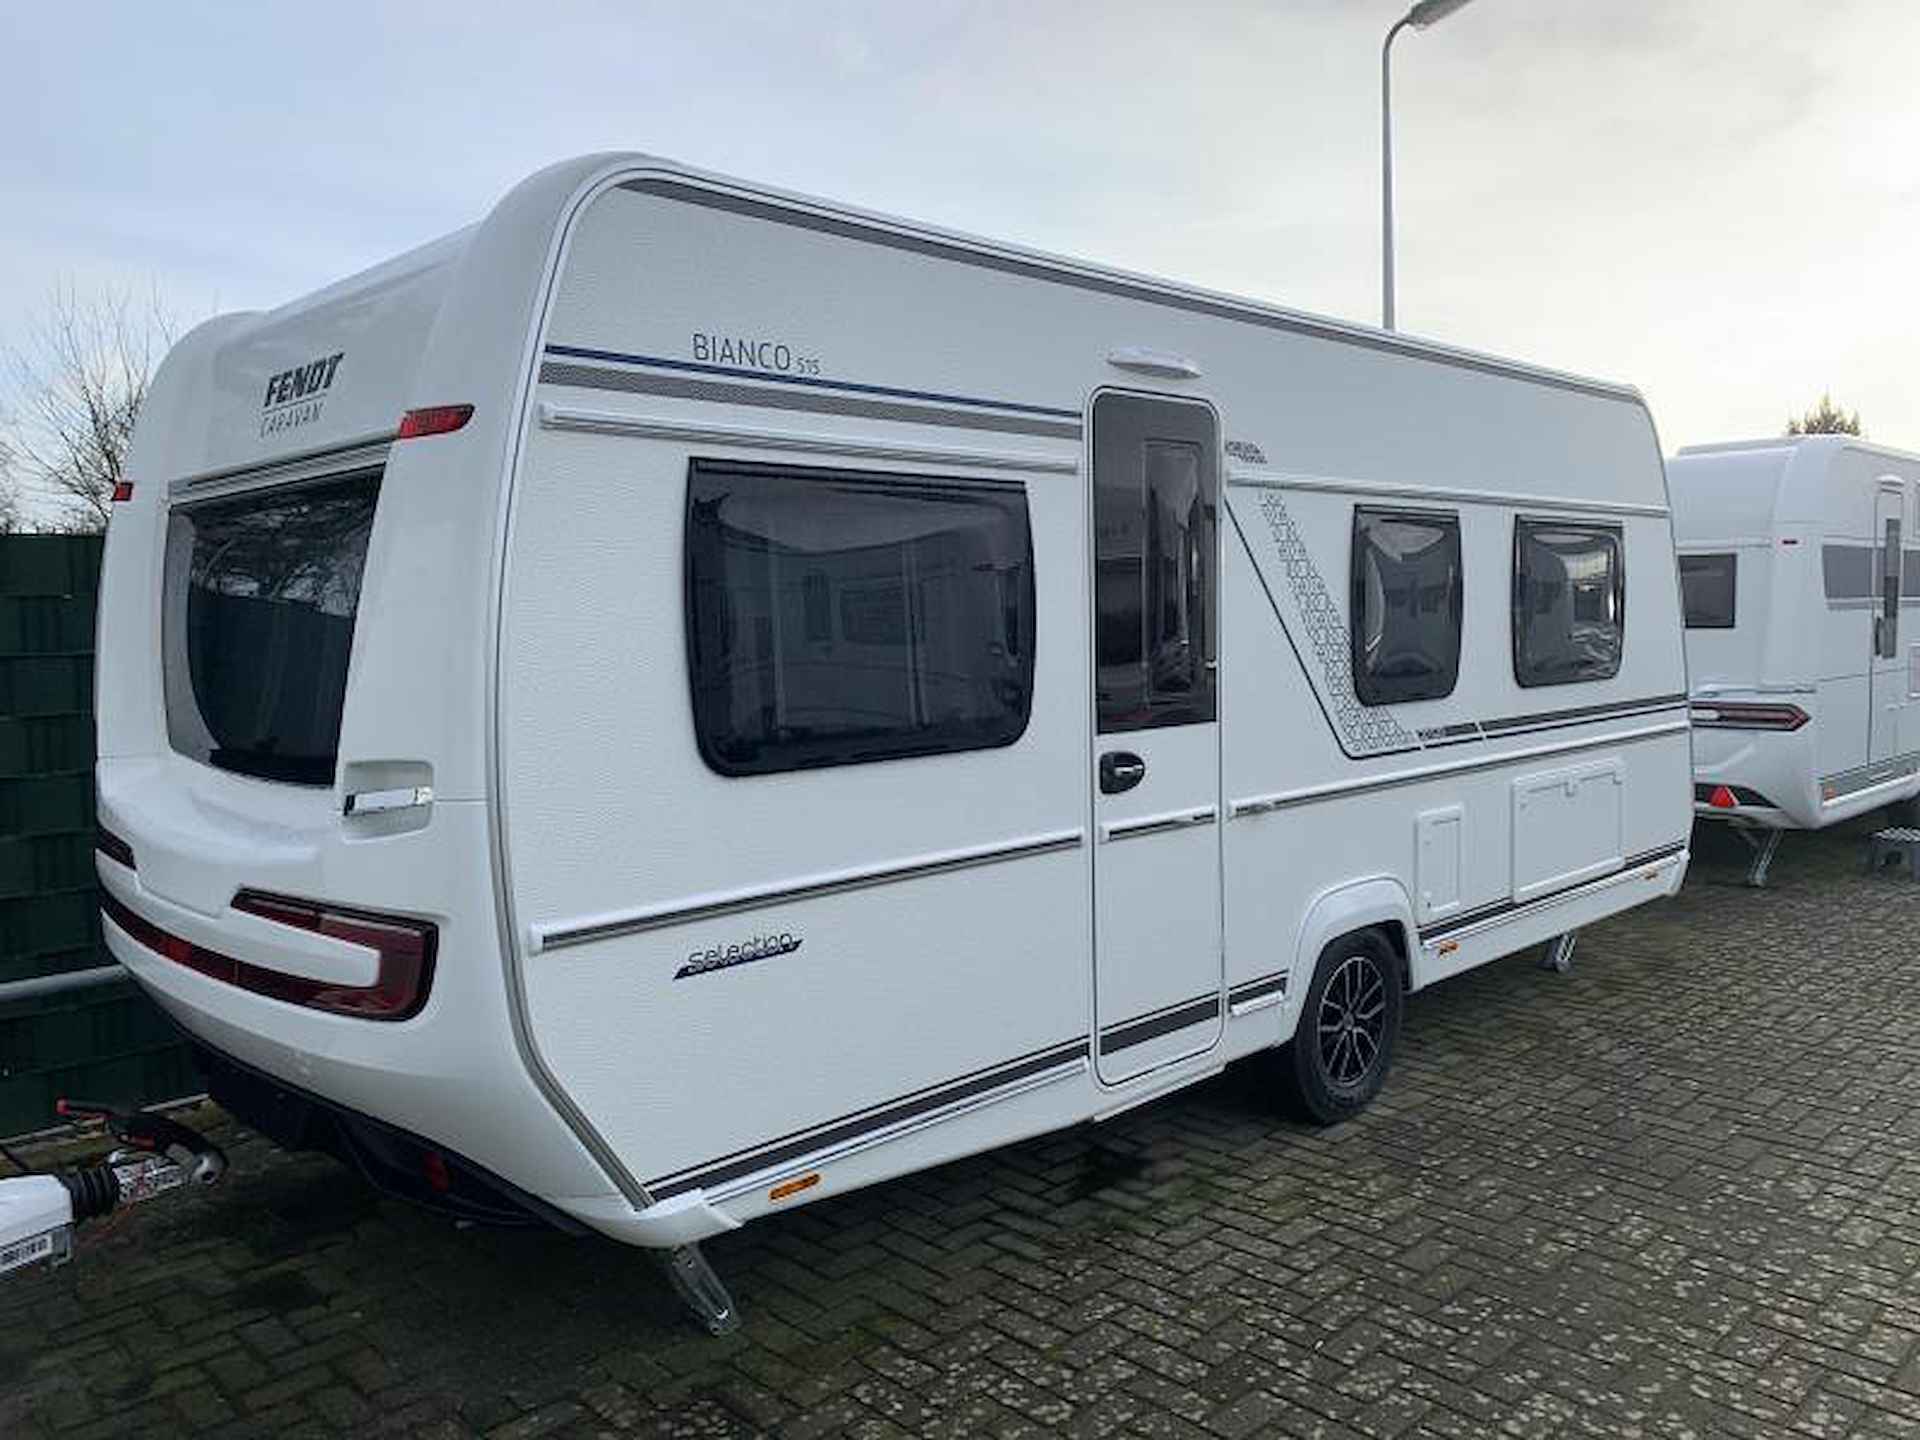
1427 12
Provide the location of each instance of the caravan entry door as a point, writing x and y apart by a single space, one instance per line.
1888 685
1158 966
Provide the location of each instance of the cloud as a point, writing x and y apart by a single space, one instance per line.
1715 200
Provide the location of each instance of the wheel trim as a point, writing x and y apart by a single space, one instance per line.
1351 1025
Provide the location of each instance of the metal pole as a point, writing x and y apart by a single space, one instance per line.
1386 175
61 983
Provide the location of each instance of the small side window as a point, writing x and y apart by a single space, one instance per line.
1405 616
838 617
1569 601
1707 590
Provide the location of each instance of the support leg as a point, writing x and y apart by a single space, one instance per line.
1762 853
1558 956
700 1290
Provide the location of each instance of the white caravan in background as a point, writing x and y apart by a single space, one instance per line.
681 700
1798 557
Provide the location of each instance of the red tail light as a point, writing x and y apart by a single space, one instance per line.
433 420
1742 715
406 949
122 490
112 846
1722 798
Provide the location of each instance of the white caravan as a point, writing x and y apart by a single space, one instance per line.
680 700
1797 559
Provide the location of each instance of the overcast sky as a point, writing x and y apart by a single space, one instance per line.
1716 200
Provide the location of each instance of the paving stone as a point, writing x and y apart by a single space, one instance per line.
1676 1192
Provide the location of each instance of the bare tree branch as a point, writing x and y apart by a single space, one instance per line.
82 375
9 494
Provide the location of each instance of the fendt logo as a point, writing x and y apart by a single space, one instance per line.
294 397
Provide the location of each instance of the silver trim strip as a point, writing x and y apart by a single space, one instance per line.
499 853
1306 795
365 453
1286 480
1158 824
1862 780
1542 903
754 437
832 1154
559 935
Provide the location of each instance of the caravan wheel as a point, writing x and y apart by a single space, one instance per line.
1343 1045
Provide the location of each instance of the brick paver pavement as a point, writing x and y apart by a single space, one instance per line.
1674 1193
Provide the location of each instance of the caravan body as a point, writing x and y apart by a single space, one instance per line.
801 696
1800 574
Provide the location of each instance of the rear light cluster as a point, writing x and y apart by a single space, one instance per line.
1743 715
1730 797
405 947
433 420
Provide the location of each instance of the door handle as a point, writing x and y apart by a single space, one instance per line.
1120 770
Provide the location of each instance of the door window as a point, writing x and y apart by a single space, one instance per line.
1155 483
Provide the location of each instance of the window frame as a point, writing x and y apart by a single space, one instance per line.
1732 557
1522 526
858 751
1374 690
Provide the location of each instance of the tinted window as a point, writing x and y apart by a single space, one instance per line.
1887 632
1569 602
1706 590
1406 605
837 617
261 594
1847 571
1154 519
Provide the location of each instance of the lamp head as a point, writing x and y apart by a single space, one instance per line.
1432 12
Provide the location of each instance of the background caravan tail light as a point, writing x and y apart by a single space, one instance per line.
1741 715
433 420
406 949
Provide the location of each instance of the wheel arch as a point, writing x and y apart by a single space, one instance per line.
1380 903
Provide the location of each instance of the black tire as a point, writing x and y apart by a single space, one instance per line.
1343 1046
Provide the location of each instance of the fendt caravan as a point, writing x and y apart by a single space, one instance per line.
1798 559
681 700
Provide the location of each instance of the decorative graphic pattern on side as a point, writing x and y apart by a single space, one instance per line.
1364 729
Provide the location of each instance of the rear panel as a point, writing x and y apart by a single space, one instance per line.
295 612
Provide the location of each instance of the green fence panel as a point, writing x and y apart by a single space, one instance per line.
100 1042
50 564
45 744
46 624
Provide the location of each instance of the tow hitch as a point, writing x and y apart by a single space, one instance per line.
39 1212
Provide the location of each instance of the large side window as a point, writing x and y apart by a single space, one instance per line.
1569 601
836 617
1707 590
1405 616
1154 485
